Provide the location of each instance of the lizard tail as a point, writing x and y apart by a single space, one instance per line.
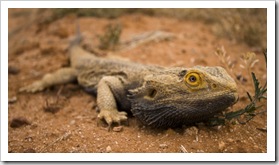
77 54
78 38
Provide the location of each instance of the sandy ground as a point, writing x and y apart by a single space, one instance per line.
63 118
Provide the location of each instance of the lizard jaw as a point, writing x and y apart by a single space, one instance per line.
170 113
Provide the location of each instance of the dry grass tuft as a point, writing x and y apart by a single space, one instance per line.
111 37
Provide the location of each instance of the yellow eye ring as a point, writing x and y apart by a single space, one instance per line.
193 79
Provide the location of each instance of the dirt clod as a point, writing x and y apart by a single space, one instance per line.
29 150
19 122
13 70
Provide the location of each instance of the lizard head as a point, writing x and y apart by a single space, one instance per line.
182 96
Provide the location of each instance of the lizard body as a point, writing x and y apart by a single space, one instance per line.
157 96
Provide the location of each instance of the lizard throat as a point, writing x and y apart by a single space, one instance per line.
177 113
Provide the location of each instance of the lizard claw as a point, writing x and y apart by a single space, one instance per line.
112 116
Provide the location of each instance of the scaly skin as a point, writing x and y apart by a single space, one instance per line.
157 96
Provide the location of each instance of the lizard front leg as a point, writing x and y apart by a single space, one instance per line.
106 101
60 76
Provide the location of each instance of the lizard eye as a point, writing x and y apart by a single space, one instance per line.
193 79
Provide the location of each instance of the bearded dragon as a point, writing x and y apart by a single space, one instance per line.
157 96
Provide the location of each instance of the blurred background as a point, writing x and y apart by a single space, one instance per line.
243 25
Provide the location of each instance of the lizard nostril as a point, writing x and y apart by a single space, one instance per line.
152 93
214 86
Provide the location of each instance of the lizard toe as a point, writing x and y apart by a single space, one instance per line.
35 87
112 116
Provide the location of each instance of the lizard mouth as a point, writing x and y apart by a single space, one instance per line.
236 97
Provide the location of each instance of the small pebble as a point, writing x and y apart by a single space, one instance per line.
12 100
108 149
29 139
117 129
163 145
170 132
72 122
221 146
